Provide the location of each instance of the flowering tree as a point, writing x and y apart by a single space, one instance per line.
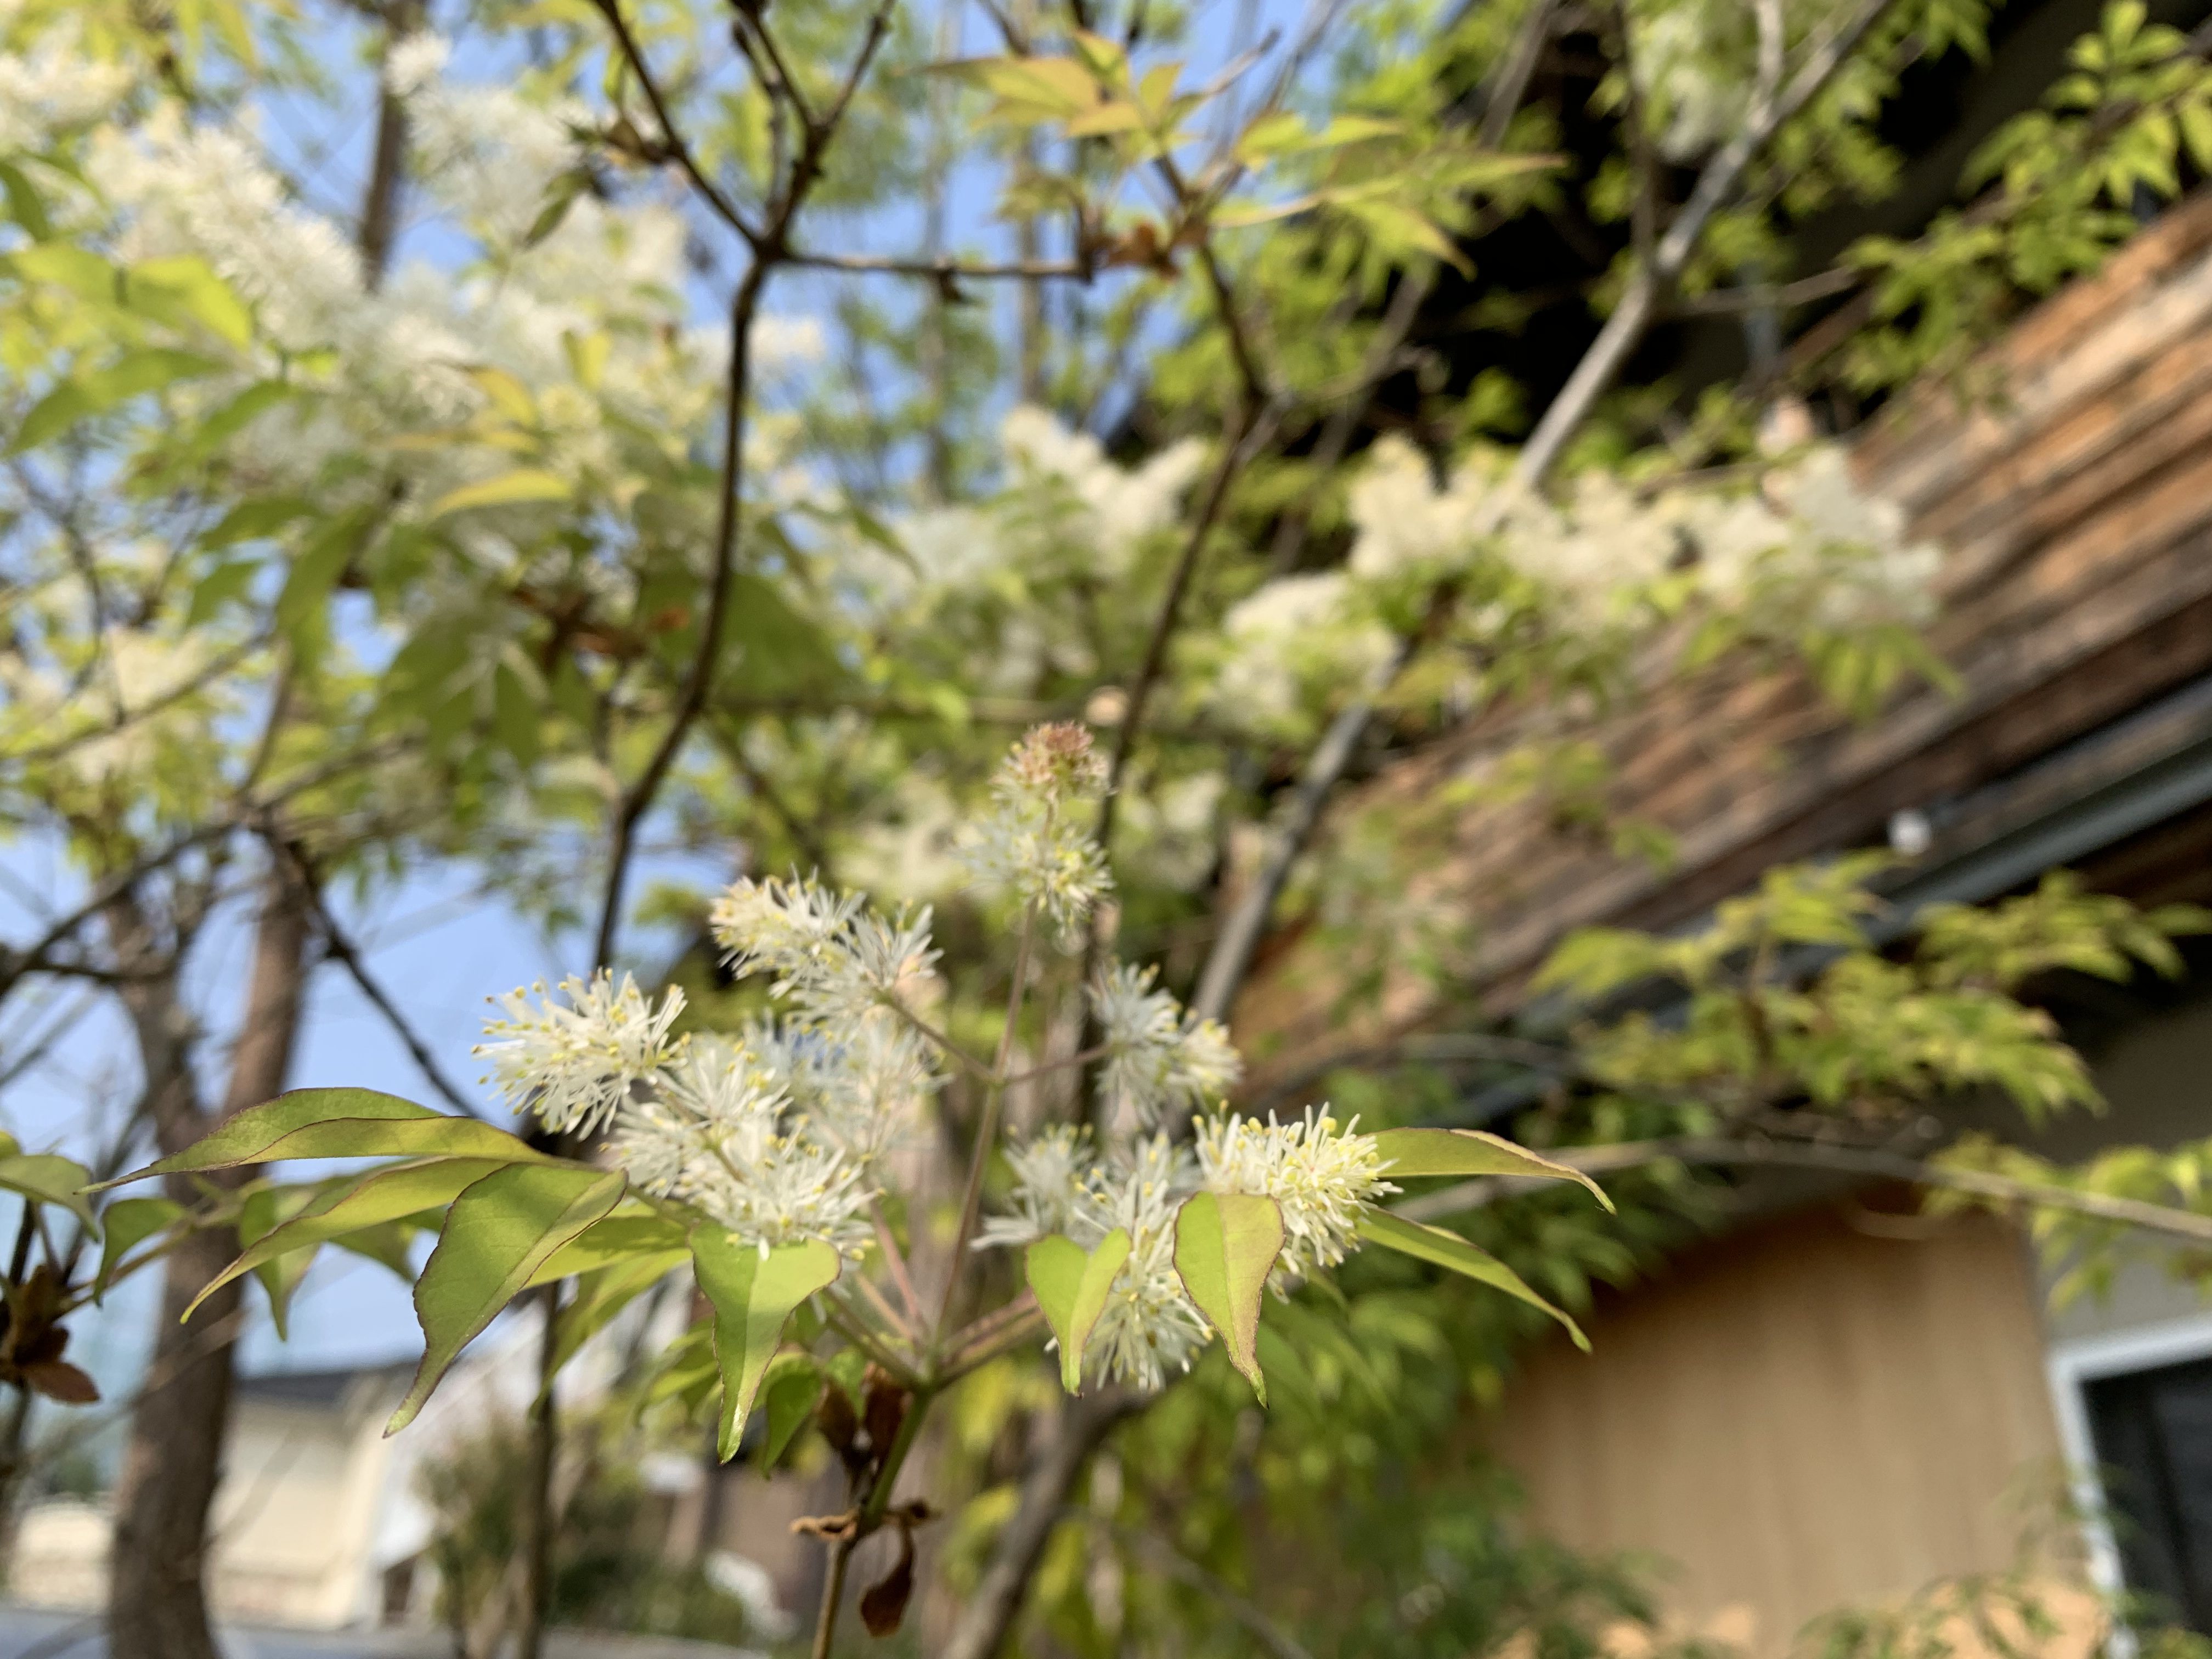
764 1157
331 563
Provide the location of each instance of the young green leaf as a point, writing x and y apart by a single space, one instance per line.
1071 1285
1471 1152
523 484
343 1207
1448 1249
789 1392
339 1123
498 1233
1225 1247
600 1295
752 1296
127 1224
49 1178
264 1212
632 1231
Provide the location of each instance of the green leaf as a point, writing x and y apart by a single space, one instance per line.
49 1178
752 1296
82 396
340 1123
25 205
65 265
1471 1152
1071 1285
316 568
265 1212
389 1244
497 1234
599 1296
1448 1249
1225 1247
790 1390
251 520
349 1206
629 1233
127 1224
525 483
186 290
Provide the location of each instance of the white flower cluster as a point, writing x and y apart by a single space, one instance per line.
1114 509
1036 844
778 1133
53 84
1814 548
1808 549
1158 1056
719 1133
1291 641
573 1064
1317 1174
1150 1325
835 960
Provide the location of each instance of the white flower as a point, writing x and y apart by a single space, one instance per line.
414 61
1036 841
1318 1176
861 1085
1116 508
1596 553
787 928
1156 1055
1292 636
1052 1173
1406 523
1813 549
719 1133
833 960
1149 1324
574 1065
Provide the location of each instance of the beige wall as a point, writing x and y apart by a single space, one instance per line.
1801 1416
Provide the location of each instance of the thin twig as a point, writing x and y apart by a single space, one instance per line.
680 152
342 950
942 267
1720 1152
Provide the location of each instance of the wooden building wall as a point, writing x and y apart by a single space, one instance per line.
1801 1416
2075 508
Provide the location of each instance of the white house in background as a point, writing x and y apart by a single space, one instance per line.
317 1523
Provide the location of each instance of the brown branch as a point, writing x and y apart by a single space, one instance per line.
341 949
1768 296
678 150
1720 1152
941 267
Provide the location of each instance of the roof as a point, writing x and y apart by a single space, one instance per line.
2075 511
322 1389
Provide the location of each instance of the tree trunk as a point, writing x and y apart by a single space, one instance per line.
387 168
157 1602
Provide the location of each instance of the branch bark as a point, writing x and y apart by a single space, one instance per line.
157 1601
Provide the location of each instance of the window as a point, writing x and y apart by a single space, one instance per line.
2151 1432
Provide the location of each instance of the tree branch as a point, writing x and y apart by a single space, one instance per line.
940 267
342 950
678 151
1720 1152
